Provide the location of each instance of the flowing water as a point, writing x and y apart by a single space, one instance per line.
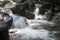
35 30
19 22
36 11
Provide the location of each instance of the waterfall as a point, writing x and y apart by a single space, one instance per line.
36 11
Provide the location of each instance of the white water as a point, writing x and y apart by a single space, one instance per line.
36 12
19 22
31 34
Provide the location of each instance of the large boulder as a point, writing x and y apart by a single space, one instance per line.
5 23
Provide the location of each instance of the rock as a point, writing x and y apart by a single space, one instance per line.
5 24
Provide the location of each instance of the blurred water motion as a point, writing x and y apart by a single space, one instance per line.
35 30
31 34
32 29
